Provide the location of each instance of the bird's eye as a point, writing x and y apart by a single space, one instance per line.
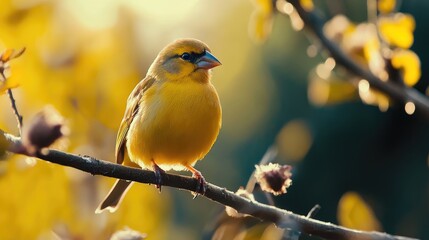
186 56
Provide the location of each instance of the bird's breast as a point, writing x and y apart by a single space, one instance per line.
177 124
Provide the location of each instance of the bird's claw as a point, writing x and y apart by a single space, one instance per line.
201 186
158 176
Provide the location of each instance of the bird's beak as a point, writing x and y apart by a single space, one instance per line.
207 61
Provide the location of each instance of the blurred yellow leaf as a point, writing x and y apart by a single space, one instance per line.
294 140
308 5
260 25
337 27
261 20
5 57
386 6
10 54
357 38
397 30
264 5
354 212
370 47
371 96
323 92
409 63
376 62
272 233
8 84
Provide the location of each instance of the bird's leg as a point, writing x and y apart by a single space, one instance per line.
158 175
202 184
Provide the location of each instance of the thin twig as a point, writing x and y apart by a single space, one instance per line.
280 217
313 211
314 22
15 110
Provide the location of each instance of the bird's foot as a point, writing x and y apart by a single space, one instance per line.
202 184
158 175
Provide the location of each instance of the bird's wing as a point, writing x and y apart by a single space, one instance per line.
133 104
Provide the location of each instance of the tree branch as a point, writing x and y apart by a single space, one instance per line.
280 217
15 110
314 22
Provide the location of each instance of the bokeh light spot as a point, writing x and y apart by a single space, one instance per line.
330 63
354 212
410 108
294 140
284 7
312 51
323 71
363 86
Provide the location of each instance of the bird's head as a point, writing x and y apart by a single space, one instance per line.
184 59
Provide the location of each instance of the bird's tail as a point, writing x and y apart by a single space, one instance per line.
114 197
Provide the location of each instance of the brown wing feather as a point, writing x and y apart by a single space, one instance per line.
133 103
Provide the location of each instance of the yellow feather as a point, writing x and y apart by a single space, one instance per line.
177 124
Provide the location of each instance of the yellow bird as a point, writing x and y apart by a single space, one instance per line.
172 118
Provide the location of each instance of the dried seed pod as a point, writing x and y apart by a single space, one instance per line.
273 177
44 129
